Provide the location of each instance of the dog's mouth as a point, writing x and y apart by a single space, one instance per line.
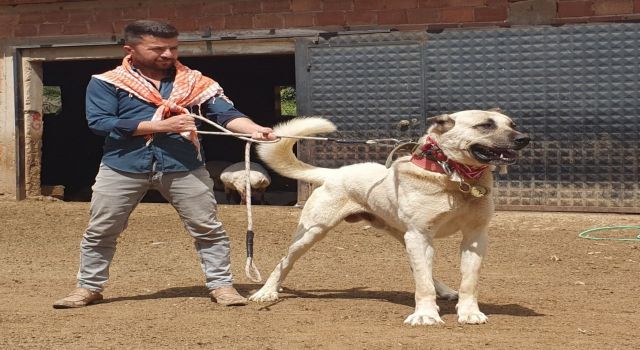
494 156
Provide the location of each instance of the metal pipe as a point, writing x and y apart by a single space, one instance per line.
21 192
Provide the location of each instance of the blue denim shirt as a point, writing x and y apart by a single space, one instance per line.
115 114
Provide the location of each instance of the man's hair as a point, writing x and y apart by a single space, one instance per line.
134 31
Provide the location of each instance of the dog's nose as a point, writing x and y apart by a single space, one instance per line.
521 140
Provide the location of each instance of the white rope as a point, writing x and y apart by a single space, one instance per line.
250 269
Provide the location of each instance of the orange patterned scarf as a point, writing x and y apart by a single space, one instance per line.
190 88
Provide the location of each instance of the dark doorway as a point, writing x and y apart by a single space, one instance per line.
71 152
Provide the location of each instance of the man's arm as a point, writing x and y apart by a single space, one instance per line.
247 126
222 111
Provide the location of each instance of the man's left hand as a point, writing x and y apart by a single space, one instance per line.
263 134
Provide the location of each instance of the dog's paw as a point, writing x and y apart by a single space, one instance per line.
424 319
262 297
472 318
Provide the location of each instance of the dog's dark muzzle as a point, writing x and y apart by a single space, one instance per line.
499 155
521 141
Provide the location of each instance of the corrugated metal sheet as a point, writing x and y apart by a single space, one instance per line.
575 89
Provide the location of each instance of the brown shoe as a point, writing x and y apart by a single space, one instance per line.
228 296
79 297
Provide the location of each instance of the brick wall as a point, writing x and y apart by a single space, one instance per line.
40 18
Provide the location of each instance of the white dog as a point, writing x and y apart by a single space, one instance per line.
443 188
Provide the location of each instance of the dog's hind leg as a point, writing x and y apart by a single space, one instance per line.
472 250
314 225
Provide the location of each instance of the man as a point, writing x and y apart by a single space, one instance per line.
142 108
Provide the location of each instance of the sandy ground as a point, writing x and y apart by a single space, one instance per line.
542 286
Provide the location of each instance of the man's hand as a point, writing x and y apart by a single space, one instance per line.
263 134
179 123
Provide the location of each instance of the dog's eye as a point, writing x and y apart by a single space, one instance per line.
485 126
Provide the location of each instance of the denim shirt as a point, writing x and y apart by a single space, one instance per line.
115 114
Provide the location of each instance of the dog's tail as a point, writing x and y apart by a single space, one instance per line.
279 156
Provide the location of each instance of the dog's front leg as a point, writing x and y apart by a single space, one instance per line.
420 251
472 250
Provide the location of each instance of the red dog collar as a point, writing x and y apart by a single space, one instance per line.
430 157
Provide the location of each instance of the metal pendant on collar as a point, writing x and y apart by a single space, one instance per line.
474 190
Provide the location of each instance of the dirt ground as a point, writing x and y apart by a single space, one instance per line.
541 286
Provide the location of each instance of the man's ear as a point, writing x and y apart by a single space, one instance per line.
441 123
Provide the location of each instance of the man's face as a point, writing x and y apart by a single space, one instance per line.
153 52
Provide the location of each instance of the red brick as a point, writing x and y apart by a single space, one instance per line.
458 15
6 30
112 14
497 3
268 21
9 19
214 8
330 18
119 25
338 5
276 6
101 26
423 16
192 11
135 13
295 20
490 14
215 22
467 3
433 4
306 5
365 5
247 6
75 29
574 8
31 18
392 17
185 24
50 29
400 4
80 16
361 18
636 6
56 17
166 12
25 30
238 22
612 7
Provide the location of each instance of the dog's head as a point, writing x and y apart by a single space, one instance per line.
476 137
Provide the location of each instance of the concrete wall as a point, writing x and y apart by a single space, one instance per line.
41 22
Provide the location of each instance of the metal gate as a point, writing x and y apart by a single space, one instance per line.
575 89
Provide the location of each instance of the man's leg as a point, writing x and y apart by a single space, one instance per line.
115 195
191 194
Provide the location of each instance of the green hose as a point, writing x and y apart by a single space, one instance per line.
585 234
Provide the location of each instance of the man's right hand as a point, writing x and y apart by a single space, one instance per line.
179 123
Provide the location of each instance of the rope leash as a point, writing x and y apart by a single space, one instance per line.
247 137
250 268
585 234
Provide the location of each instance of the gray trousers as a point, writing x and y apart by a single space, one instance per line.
116 194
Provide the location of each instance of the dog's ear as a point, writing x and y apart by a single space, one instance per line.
495 109
441 123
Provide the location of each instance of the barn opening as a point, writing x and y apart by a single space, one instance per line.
260 86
